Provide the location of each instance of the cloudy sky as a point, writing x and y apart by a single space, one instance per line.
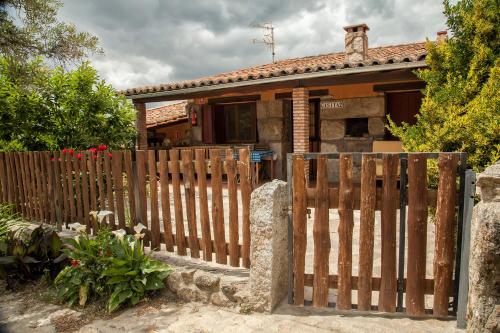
157 41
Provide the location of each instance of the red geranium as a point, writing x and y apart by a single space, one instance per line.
79 156
52 158
70 151
110 155
102 147
92 150
74 262
64 150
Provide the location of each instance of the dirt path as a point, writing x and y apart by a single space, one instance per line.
24 312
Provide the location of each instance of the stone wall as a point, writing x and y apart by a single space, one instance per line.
270 130
333 130
483 311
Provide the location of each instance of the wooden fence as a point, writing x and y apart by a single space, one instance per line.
403 186
55 187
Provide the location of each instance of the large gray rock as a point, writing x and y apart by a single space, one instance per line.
268 229
376 127
484 269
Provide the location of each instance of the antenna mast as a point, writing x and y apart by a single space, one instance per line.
268 38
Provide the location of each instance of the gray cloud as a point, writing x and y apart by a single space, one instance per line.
155 41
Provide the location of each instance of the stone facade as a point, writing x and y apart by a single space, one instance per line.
270 129
484 268
268 229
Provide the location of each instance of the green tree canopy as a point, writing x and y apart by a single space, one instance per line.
461 107
47 109
30 28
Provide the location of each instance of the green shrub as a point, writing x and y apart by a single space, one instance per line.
111 265
27 250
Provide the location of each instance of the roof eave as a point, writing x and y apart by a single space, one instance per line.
302 76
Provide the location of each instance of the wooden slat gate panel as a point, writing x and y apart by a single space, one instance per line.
371 182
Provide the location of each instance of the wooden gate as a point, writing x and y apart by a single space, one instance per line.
382 258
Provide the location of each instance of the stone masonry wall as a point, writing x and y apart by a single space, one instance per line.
270 129
483 311
333 130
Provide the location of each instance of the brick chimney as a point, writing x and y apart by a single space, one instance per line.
441 36
356 42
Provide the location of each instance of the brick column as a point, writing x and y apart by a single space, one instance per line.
300 98
142 135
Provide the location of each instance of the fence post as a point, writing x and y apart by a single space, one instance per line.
268 228
463 288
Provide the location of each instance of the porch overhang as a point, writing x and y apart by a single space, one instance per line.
385 72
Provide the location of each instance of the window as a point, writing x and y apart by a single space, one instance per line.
235 123
356 127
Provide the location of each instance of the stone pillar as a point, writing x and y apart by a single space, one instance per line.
268 231
300 97
483 311
142 134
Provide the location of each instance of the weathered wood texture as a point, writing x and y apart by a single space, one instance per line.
299 212
57 188
417 233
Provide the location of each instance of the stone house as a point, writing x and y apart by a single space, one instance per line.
168 125
335 102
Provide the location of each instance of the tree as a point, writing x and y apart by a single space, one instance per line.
29 28
461 107
48 109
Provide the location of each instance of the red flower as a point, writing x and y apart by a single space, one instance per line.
64 150
79 156
102 147
71 151
92 150
52 158
74 262
110 155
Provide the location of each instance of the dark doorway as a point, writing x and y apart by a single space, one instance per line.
403 107
314 134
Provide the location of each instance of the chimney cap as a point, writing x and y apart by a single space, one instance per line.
356 27
442 33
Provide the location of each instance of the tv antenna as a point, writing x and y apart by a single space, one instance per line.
268 39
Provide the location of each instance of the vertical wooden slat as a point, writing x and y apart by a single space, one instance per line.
321 236
141 186
45 187
246 189
100 181
117 172
58 190
299 211
27 195
8 173
346 224
130 186
39 185
165 201
218 209
64 187
189 190
153 194
91 165
36 194
85 192
49 166
12 183
388 285
3 177
78 191
69 181
19 179
232 189
203 204
417 233
366 231
445 221
109 191
176 188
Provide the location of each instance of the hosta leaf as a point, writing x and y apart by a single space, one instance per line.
154 283
118 298
117 279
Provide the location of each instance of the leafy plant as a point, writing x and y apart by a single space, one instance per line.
111 265
461 107
27 250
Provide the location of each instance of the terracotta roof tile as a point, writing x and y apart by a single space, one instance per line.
376 56
166 114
